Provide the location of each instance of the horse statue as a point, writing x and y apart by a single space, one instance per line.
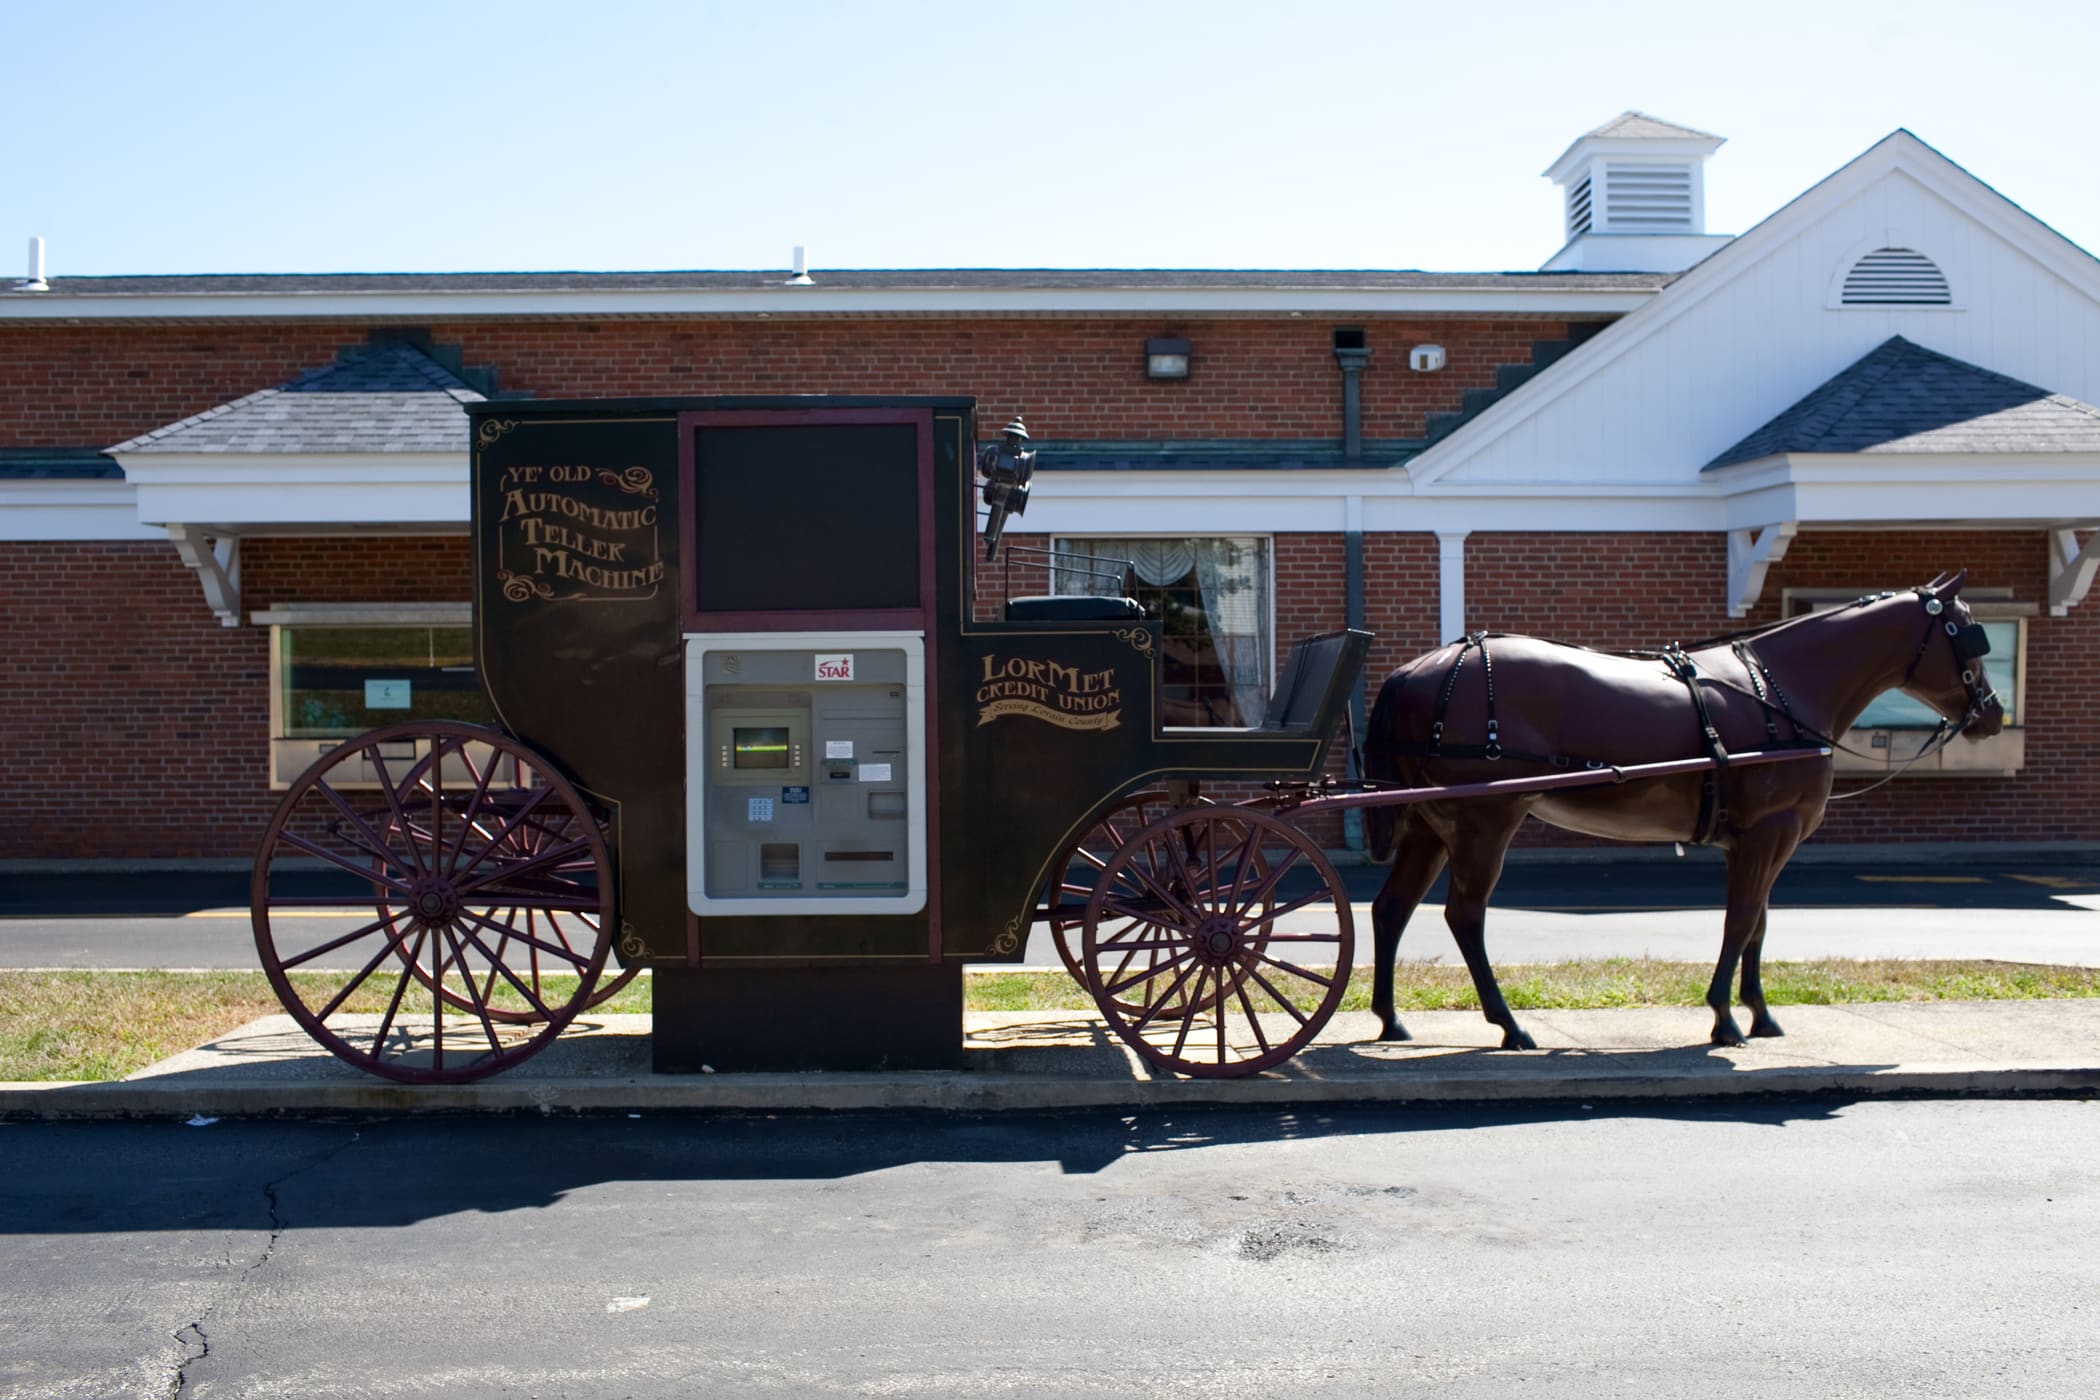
1525 705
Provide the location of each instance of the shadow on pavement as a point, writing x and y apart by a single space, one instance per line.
112 1177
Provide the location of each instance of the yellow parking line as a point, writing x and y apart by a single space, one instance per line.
2054 882
346 913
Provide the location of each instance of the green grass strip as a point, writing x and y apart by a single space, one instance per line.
105 1025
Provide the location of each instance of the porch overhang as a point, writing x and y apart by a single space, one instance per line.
1769 499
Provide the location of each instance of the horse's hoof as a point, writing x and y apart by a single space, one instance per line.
1514 1039
1393 1030
1727 1035
1764 1026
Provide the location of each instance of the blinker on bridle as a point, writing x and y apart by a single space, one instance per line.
1968 642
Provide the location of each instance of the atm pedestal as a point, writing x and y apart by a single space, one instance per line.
839 1018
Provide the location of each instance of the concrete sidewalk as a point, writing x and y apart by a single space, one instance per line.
1046 1061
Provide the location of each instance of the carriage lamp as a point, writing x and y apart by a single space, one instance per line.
1166 359
1006 466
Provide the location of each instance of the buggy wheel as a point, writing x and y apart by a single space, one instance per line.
1079 869
1218 941
492 888
575 930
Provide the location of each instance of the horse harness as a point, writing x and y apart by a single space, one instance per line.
1967 640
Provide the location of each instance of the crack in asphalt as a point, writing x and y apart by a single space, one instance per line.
194 1328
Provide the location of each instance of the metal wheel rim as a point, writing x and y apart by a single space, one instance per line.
1238 955
414 839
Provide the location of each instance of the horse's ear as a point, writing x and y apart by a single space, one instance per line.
1944 587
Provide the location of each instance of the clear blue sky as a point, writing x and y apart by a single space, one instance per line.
438 136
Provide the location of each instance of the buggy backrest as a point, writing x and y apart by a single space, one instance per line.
1315 683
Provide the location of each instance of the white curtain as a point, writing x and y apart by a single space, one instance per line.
1234 587
1093 568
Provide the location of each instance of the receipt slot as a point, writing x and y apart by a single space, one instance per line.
806 770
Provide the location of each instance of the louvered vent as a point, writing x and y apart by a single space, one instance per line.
1648 198
1579 208
1895 277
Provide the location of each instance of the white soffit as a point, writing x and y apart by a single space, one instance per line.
1877 489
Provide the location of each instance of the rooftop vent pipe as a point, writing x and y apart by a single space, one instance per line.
35 281
1352 354
801 277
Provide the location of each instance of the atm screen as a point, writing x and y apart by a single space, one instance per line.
761 748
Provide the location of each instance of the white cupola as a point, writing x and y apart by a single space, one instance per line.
1634 191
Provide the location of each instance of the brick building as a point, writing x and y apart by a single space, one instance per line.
227 501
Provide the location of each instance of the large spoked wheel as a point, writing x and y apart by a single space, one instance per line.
1078 871
1218 941
492 888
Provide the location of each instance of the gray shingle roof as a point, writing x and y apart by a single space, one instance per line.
385 398
849 279
1901 397
1638 125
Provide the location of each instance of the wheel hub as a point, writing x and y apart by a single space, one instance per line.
1217 939
432 900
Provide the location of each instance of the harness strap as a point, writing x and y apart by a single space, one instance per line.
1752 665
1713 791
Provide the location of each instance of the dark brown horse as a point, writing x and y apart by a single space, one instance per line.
1519 705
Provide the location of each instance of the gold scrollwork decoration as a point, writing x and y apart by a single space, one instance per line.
632 949
519 587
1139 637
635 481
1010 939
493 428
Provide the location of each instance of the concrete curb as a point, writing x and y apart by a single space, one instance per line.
1034 1062
995 1092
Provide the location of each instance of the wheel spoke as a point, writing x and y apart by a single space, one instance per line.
386 1022
393 798
1161 1005
563 953
497 965
384 921
1146 878
335 858
1271 915
1149 973
1239 989
357 981
1188 1015
1270 881
511 823
379 849
481 1008
1278 997
511 872
1294 969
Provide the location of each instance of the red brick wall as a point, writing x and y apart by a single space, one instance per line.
137 725
99 385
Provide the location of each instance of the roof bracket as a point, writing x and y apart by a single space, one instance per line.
2071 569
217 560
1750 554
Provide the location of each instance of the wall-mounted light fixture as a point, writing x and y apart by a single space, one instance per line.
1166 359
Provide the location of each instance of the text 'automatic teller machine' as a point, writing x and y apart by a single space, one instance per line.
806 764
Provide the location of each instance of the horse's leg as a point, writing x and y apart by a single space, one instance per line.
1761 1022
1417 859
1755 858
1477 841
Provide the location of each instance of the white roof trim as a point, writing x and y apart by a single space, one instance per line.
786 302
244 489
72 508
1899 151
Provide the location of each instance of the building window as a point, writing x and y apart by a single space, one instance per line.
1894 728
1212 597
334 682
337 670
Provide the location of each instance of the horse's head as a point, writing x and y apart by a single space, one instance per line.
1948 673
